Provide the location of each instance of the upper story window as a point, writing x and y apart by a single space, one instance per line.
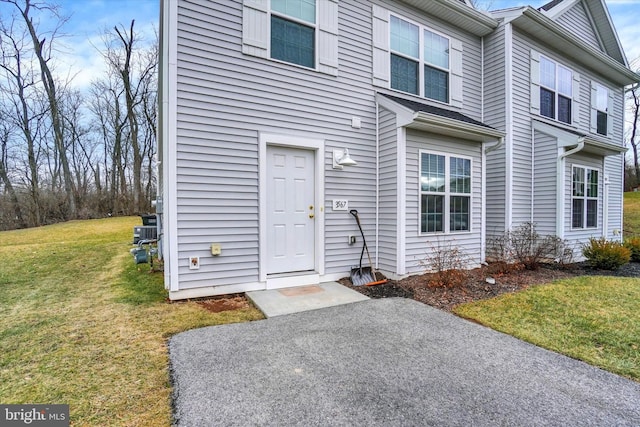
445 193
419 60
584 200
555 90
410 57
299 32
556 87
293 31
602 109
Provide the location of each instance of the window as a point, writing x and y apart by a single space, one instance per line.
445 193
602 107
584 203
419 60
556 87
293 31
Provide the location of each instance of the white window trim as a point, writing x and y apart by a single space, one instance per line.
421 61
585 198
447 194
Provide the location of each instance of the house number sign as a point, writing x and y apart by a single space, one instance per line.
340 205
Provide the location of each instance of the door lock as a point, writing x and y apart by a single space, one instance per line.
311 215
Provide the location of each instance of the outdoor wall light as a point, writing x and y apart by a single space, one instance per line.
341 158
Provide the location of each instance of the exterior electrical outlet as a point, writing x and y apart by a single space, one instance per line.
194 263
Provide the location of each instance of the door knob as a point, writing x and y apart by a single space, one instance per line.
311 215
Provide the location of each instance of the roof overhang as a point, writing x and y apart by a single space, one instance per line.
458 14
568 139
541 27
433 123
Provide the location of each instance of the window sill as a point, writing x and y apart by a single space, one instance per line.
443 233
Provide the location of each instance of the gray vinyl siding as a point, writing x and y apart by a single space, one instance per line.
418 247
388 188
522 152
544 191
614 168
225 99
472 57
522 117
577 21
494 115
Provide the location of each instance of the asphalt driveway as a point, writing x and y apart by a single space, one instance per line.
386 362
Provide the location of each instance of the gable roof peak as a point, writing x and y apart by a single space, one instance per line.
600 18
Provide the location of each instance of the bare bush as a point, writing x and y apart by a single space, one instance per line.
523 245
447 265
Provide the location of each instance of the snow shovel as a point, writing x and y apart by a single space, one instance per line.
362 275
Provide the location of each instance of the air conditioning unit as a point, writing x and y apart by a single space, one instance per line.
144 232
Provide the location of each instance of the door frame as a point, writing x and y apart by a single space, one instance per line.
289 141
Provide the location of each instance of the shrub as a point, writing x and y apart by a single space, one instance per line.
447 265
525 246
605 255
633 244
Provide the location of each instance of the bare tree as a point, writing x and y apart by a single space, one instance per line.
42 50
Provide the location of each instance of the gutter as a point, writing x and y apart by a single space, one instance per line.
560 185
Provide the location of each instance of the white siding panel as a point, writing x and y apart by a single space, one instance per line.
419 246
388 176
494 115
544 195
576 21
583 87
226 98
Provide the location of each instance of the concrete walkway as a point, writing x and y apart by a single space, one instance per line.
277 302
388 362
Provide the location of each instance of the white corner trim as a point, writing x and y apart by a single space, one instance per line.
317 145
508 191
402 200
170 140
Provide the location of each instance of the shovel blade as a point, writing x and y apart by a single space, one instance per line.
362 276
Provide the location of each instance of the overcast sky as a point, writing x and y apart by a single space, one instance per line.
89 19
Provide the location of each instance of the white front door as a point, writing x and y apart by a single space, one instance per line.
290 210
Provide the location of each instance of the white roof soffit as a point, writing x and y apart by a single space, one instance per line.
550 33
459 14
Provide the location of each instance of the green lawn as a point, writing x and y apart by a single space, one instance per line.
595 319
631 226
81 324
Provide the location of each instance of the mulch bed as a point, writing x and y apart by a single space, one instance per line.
475 287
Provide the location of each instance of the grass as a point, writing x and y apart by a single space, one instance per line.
631 224
81 324
592 318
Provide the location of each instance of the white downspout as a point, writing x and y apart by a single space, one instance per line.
560 186
376 254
